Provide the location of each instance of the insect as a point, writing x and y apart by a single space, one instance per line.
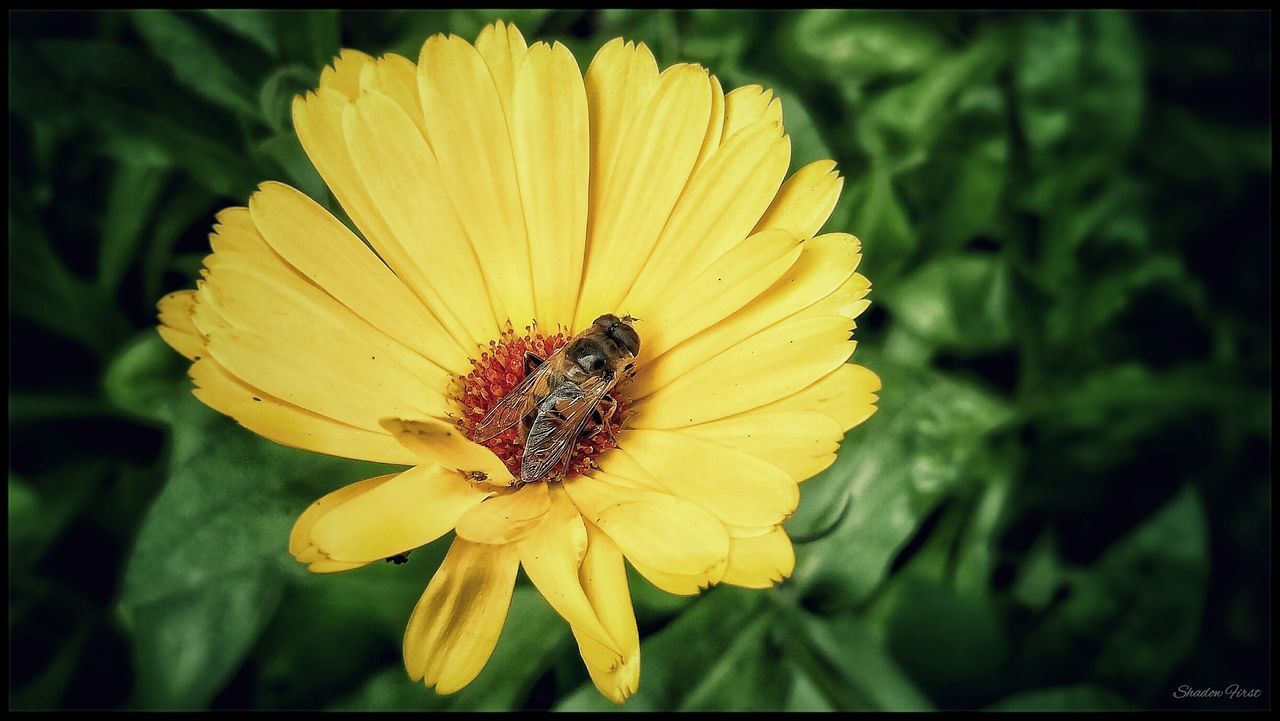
562 393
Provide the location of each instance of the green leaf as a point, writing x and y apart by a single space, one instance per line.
47 293
310 37
194 61
134 192
211 561
872 210
715 656
899 127
189 642
1133 402
188 206
1041 574
1131 618
253 25
853 47
894 469
275 97
718 39
805 695
846 663
968 173
1081 75
41 509
133 133
144 376
46 69
959 302
977 552
952 644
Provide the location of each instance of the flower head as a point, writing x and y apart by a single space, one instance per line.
507 203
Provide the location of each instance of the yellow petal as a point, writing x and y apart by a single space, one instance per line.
233 230
176 326
325 565
748 105
236 236
680 585
300 545
825 268
286 423
550 133
504 50
508 517
827 264
760 561
318 119
619 82
604 580
175 311
733 486
396 77
205 316
848 395
456 624
848 301
653 164
655 529
800 443
343 75
722 203
715 128
469 134
412 509
624 471
300 345
190 346
682 389
806 200
438 441
732 281
551 556
407 189
321 248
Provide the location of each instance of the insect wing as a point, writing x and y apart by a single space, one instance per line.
518 403
555 430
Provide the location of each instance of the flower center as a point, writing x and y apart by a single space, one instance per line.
499 370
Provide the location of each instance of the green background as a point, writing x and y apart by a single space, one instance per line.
1063 502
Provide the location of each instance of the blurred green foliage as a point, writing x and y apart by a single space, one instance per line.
1062 503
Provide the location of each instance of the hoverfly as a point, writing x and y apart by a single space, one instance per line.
560 394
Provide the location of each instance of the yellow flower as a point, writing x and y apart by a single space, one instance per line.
499 189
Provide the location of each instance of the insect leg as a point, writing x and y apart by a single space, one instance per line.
531 361
606 418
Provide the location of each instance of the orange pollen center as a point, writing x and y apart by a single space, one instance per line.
498 371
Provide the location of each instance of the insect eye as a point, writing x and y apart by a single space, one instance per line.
627 336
